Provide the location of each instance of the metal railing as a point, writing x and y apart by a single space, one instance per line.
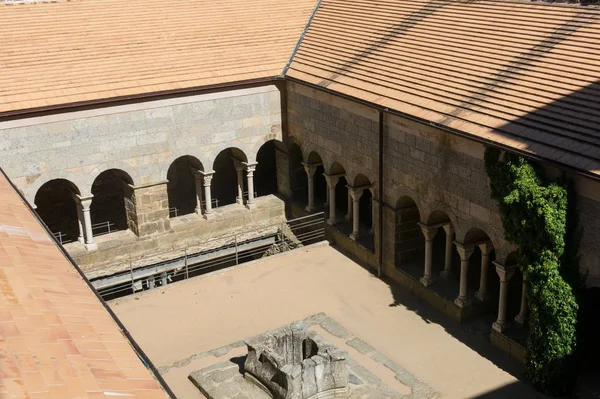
104 226
61 237
215 254
214 202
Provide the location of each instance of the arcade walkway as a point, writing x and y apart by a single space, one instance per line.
212 311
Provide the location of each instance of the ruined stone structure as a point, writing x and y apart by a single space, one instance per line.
292 363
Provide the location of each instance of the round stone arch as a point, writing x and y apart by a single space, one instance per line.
223 146
435 213
31 191
175 155
466 232
128 169
255 148
506 252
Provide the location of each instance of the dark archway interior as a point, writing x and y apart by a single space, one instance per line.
365 206
320 186
513 295
298 178
265 177
57 208
181 187
439 255
409 240
224 182
341 196
108 204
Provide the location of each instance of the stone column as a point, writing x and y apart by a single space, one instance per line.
80 223
250 168
239 168
198 184
429 233
349 213
331 183
355 193
505 273
465 253
85 203
310 172
523 312
486 249
449 230
208 213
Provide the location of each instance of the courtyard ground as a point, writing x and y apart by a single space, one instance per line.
188 318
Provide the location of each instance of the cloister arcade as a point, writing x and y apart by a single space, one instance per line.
441 252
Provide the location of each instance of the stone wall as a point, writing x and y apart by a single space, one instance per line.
142 139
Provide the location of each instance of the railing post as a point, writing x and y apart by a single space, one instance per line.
185 262
282 232
236 250
131 274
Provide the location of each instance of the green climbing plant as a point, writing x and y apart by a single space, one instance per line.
535 217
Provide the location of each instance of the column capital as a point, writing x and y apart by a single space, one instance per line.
207 176
486 248
465 251
198 174
250 166
428 231
332 180
449 229
355 192
505 272
85 201
310 168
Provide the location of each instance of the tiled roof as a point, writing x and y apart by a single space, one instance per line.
88 50
521 74
56 338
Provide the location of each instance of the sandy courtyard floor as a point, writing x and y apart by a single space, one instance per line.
195 316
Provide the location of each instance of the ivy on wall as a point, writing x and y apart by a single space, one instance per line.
536 218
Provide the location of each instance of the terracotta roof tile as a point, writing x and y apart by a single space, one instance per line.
56 338
527 71
99 49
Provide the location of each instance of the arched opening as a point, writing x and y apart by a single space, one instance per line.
58 209
298 178
409 241
481 242
341 191
590 331
108 209
443 238
265 177
224 185
181 188
320 185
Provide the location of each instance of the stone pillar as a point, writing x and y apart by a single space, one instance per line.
239 168
486 249
505 273
522 316
85 203
331 183
449 230
250 168
80 222
198 184
147 208
310 172
429 233
208 213
349 213
355 194
465 253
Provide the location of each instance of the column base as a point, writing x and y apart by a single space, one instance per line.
462 302
427 281
209 215
251 205
91 247
198 211
499 326
482 296
354 236
348 217
445 273
310 209
81 240
239 200
520 319
331 221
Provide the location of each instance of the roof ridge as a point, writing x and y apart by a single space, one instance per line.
289 62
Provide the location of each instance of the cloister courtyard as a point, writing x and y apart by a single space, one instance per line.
176 323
